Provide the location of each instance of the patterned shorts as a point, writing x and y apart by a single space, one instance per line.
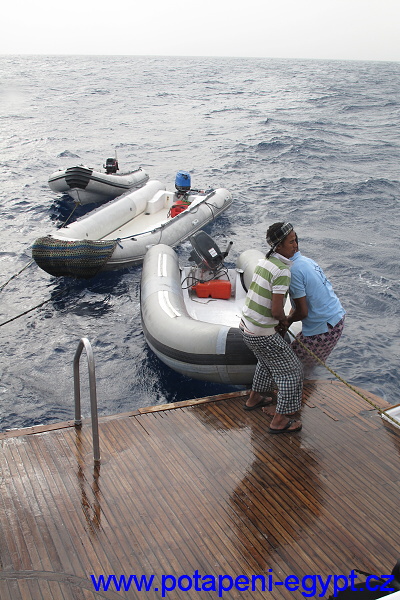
321 344
277 366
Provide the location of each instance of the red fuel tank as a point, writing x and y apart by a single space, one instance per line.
178 207
214 289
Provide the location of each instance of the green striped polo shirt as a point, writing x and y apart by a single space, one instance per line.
271 276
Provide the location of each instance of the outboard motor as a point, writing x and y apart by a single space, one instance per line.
111 166
212 280
206 253
182 181
182 185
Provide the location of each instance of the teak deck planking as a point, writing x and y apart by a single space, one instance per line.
200 485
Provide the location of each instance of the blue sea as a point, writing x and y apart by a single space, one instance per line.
316 143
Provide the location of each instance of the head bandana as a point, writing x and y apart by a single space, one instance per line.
278 236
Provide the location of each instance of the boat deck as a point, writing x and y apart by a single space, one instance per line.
147 221
141 223
201 489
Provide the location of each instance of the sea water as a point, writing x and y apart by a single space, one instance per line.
316 143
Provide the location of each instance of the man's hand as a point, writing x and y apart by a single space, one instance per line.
283 326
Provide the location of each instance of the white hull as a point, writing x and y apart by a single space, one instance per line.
88 186
118 234
197 337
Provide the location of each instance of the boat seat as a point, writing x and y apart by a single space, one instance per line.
157 202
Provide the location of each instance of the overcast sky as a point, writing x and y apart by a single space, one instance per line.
333 29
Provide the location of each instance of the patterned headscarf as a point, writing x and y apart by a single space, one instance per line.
276 237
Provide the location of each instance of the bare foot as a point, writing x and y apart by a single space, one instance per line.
281 423
291 427
256 399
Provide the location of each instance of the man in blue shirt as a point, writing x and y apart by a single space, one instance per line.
317 307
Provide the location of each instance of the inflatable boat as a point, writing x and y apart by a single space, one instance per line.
190 315
118 234
86 186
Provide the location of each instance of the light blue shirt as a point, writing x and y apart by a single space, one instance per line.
309 280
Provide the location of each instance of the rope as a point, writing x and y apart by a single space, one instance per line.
190 209
32 261
72 212
16 274
353 389
32 309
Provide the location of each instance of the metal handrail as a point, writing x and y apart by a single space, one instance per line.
84 343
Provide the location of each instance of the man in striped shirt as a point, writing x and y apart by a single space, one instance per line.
262 317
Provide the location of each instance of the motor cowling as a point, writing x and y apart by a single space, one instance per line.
206 253
182 181
111 166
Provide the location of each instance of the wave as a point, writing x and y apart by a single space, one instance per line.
314 142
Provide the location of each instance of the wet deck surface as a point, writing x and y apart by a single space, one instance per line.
200 487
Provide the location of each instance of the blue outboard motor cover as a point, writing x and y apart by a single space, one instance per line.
182 181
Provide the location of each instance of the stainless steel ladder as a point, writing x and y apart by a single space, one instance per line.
84 343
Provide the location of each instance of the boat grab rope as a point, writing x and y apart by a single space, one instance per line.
190 209
352 388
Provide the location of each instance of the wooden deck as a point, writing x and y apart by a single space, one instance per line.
200 486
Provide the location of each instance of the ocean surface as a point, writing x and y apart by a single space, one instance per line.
316 143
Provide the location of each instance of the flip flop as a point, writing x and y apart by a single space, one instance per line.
286 428
262 402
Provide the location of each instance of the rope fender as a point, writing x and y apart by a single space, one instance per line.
83 258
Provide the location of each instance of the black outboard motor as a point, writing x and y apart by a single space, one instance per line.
206 253
111 166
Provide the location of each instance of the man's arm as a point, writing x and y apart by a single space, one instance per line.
277 307
301 310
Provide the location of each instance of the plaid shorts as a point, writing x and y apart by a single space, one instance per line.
277 366
321 344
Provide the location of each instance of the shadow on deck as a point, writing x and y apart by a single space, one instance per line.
200 487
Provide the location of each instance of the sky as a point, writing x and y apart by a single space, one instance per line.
319 29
